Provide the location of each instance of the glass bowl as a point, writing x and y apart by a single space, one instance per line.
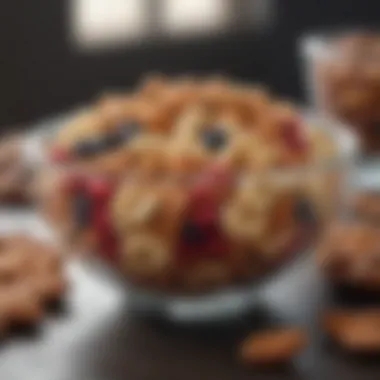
342 75
225 251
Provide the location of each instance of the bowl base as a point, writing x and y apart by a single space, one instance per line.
218 307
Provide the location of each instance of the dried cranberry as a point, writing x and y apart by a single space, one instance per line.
293 135
101 192
217 175
106 237
204 213
202 241
192 234
202 207
100 189
214 183
82 208
201 235
218 245
74 183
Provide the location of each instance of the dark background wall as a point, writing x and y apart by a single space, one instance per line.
41 74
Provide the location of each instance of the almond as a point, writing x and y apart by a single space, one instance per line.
273 347
355 331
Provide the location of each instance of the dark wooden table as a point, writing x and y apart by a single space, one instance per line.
95 336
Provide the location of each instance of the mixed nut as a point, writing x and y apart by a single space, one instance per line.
178 183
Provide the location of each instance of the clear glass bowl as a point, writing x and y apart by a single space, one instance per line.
342 76
235 243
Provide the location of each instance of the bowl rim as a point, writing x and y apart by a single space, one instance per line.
344 137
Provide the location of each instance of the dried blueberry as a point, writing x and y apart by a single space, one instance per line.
112 140
304 212
82 210
129 130
192 234
214 138
88 148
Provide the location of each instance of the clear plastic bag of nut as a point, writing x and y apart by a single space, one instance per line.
342 77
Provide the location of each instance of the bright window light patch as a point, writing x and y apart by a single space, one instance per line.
103 22
188 17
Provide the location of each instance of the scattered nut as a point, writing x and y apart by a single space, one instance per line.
24 306
273 347
355 331
30 277
348 253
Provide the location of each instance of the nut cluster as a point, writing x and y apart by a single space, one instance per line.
31 277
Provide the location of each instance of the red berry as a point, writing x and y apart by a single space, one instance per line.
293 135
105 234
207 242
99 189
218 244
206 196
205 214
74 183
220 174
214 183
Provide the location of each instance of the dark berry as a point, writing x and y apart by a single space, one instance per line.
129 131
214 138
192 234
304 212
99 189
106 237
82 210
112 141
205 215
89 148
74 183
218 245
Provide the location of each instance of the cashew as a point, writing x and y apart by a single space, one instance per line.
134 206
243 225
145 255
188 125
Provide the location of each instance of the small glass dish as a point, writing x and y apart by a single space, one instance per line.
342 77
305 199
